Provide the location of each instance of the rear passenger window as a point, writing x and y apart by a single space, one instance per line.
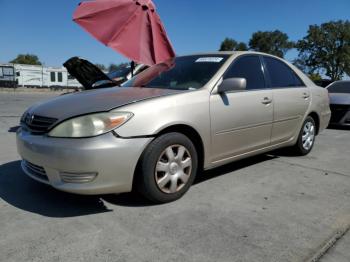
248 67
280 74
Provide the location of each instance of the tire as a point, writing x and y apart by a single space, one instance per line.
164 176
306 138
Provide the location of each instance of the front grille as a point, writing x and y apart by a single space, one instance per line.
37 124
338 112
35 170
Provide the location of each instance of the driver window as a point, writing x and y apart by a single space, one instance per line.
248 67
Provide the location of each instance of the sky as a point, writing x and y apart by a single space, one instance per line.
45 27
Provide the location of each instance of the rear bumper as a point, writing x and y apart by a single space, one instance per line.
324 120
98 165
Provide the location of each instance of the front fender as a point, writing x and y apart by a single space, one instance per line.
152 116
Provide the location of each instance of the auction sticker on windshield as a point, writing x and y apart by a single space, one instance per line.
209 60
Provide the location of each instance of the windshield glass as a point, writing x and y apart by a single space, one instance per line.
181 73
121 72
339 87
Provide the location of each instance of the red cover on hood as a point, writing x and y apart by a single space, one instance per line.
131 27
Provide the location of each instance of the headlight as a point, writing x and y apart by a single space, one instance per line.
90 125
23 117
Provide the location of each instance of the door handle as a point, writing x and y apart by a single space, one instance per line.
267 101
306 95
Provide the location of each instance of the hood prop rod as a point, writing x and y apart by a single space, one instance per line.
132 65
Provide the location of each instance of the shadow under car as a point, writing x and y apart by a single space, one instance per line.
27 194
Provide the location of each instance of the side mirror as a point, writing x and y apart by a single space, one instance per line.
232 84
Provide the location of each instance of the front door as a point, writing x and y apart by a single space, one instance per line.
241 121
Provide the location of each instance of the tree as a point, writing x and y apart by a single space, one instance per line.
27 59
241 47
272 42
326 48
101 67
315 77
230 44
300 62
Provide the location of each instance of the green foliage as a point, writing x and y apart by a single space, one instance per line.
241 47
114 67
101 67
316 77
26 59
272 42
301 64
230 44
327 48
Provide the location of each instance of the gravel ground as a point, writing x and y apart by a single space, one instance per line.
273 207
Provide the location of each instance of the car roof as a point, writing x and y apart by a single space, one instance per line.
338 82
342 81
230 53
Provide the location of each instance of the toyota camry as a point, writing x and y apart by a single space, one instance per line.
164 126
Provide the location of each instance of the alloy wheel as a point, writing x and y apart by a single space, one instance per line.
173 169
308 136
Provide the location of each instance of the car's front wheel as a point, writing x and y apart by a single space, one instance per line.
167 168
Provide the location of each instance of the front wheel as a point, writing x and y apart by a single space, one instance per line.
306 139
167 168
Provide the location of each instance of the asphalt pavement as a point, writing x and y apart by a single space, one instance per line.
273 207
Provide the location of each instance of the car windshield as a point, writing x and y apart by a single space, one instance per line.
339 87
121 72
181 73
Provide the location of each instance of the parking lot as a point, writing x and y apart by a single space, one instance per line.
273 207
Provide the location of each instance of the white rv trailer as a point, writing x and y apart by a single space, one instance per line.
41 76
7 75
21 75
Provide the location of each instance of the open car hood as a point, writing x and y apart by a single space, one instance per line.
87 73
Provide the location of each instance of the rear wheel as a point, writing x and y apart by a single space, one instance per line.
167 168
306 137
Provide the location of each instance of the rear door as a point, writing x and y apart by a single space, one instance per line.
291 99
241 121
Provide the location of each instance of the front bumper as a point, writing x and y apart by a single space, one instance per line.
340 115
98 165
